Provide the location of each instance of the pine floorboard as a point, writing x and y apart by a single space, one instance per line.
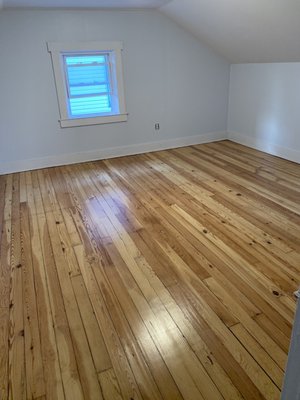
160 276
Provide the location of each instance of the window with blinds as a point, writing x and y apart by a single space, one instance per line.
89 82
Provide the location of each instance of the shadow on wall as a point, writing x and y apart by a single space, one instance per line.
270 113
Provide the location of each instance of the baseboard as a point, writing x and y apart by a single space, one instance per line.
270 148
100 154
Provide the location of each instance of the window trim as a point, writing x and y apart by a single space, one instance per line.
57 51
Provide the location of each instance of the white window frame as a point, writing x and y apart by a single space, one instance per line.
58 50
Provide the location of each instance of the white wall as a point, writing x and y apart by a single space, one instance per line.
170 78
264 107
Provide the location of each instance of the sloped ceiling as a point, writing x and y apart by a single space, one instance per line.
243 30
84 3
240 30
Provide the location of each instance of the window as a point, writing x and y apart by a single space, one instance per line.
89 82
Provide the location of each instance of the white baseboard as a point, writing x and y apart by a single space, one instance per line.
119 151
262 145
100 154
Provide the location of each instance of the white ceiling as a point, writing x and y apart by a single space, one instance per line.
240 30
243 30
84 3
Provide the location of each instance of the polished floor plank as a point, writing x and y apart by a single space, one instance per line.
167 275
49 351
35 382
17 378
5 276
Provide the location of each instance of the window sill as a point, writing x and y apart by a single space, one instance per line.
73 122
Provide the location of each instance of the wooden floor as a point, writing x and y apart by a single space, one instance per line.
159 276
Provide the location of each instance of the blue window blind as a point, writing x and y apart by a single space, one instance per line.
88 85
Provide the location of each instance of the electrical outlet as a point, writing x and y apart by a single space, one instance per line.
157 127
